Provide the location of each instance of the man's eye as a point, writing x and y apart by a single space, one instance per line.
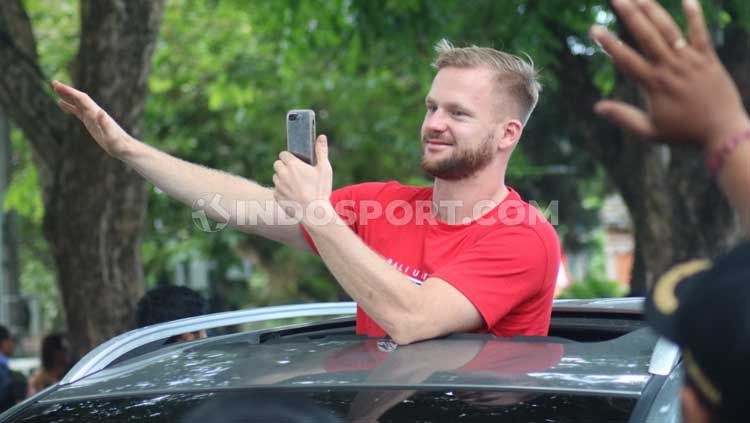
458 113
431 107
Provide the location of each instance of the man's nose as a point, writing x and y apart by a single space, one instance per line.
435 121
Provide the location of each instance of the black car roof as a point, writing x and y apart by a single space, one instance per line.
613 367
616 367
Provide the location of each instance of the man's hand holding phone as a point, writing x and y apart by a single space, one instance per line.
300 187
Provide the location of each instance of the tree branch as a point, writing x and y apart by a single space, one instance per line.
23 87
16 22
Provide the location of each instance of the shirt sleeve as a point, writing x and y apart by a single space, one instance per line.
501 271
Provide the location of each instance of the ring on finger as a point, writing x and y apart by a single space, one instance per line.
679 43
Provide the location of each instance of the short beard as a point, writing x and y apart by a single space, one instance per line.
462 163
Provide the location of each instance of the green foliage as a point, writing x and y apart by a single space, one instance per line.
598 261
38 282
594 288
23 201
23 195
225 72
56 30
56 26
595 284
220 98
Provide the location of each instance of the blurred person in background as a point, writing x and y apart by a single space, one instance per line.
56 361
12 384
168 302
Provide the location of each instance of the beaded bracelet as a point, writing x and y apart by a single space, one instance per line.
715 161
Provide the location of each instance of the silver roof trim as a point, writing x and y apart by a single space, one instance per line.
365 385
109 351
106 353
664 357
628 305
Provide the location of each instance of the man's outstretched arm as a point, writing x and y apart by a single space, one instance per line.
690 94
243 204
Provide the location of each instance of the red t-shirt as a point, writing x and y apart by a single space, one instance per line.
505 262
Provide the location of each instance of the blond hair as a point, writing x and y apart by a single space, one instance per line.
515 76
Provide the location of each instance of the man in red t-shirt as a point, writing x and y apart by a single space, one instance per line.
505 262
463 255
480 258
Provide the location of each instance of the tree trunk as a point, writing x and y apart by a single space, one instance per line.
678 211
94 205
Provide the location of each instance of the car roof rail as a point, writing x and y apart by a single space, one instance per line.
664 357
109 351
621 305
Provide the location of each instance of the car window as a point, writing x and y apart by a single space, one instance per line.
339 405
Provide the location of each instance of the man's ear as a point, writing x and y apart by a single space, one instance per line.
693 410
509 132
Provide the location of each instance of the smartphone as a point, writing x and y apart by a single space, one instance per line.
300 134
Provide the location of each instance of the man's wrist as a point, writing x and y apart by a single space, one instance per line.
127 149
319 214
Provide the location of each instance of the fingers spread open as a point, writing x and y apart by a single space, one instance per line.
649 40
664 23
697 31
624 57
626 116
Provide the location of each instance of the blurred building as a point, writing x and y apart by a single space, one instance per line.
619 242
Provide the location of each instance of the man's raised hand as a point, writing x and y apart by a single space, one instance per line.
107 133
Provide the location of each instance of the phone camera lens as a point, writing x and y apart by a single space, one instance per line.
293 116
